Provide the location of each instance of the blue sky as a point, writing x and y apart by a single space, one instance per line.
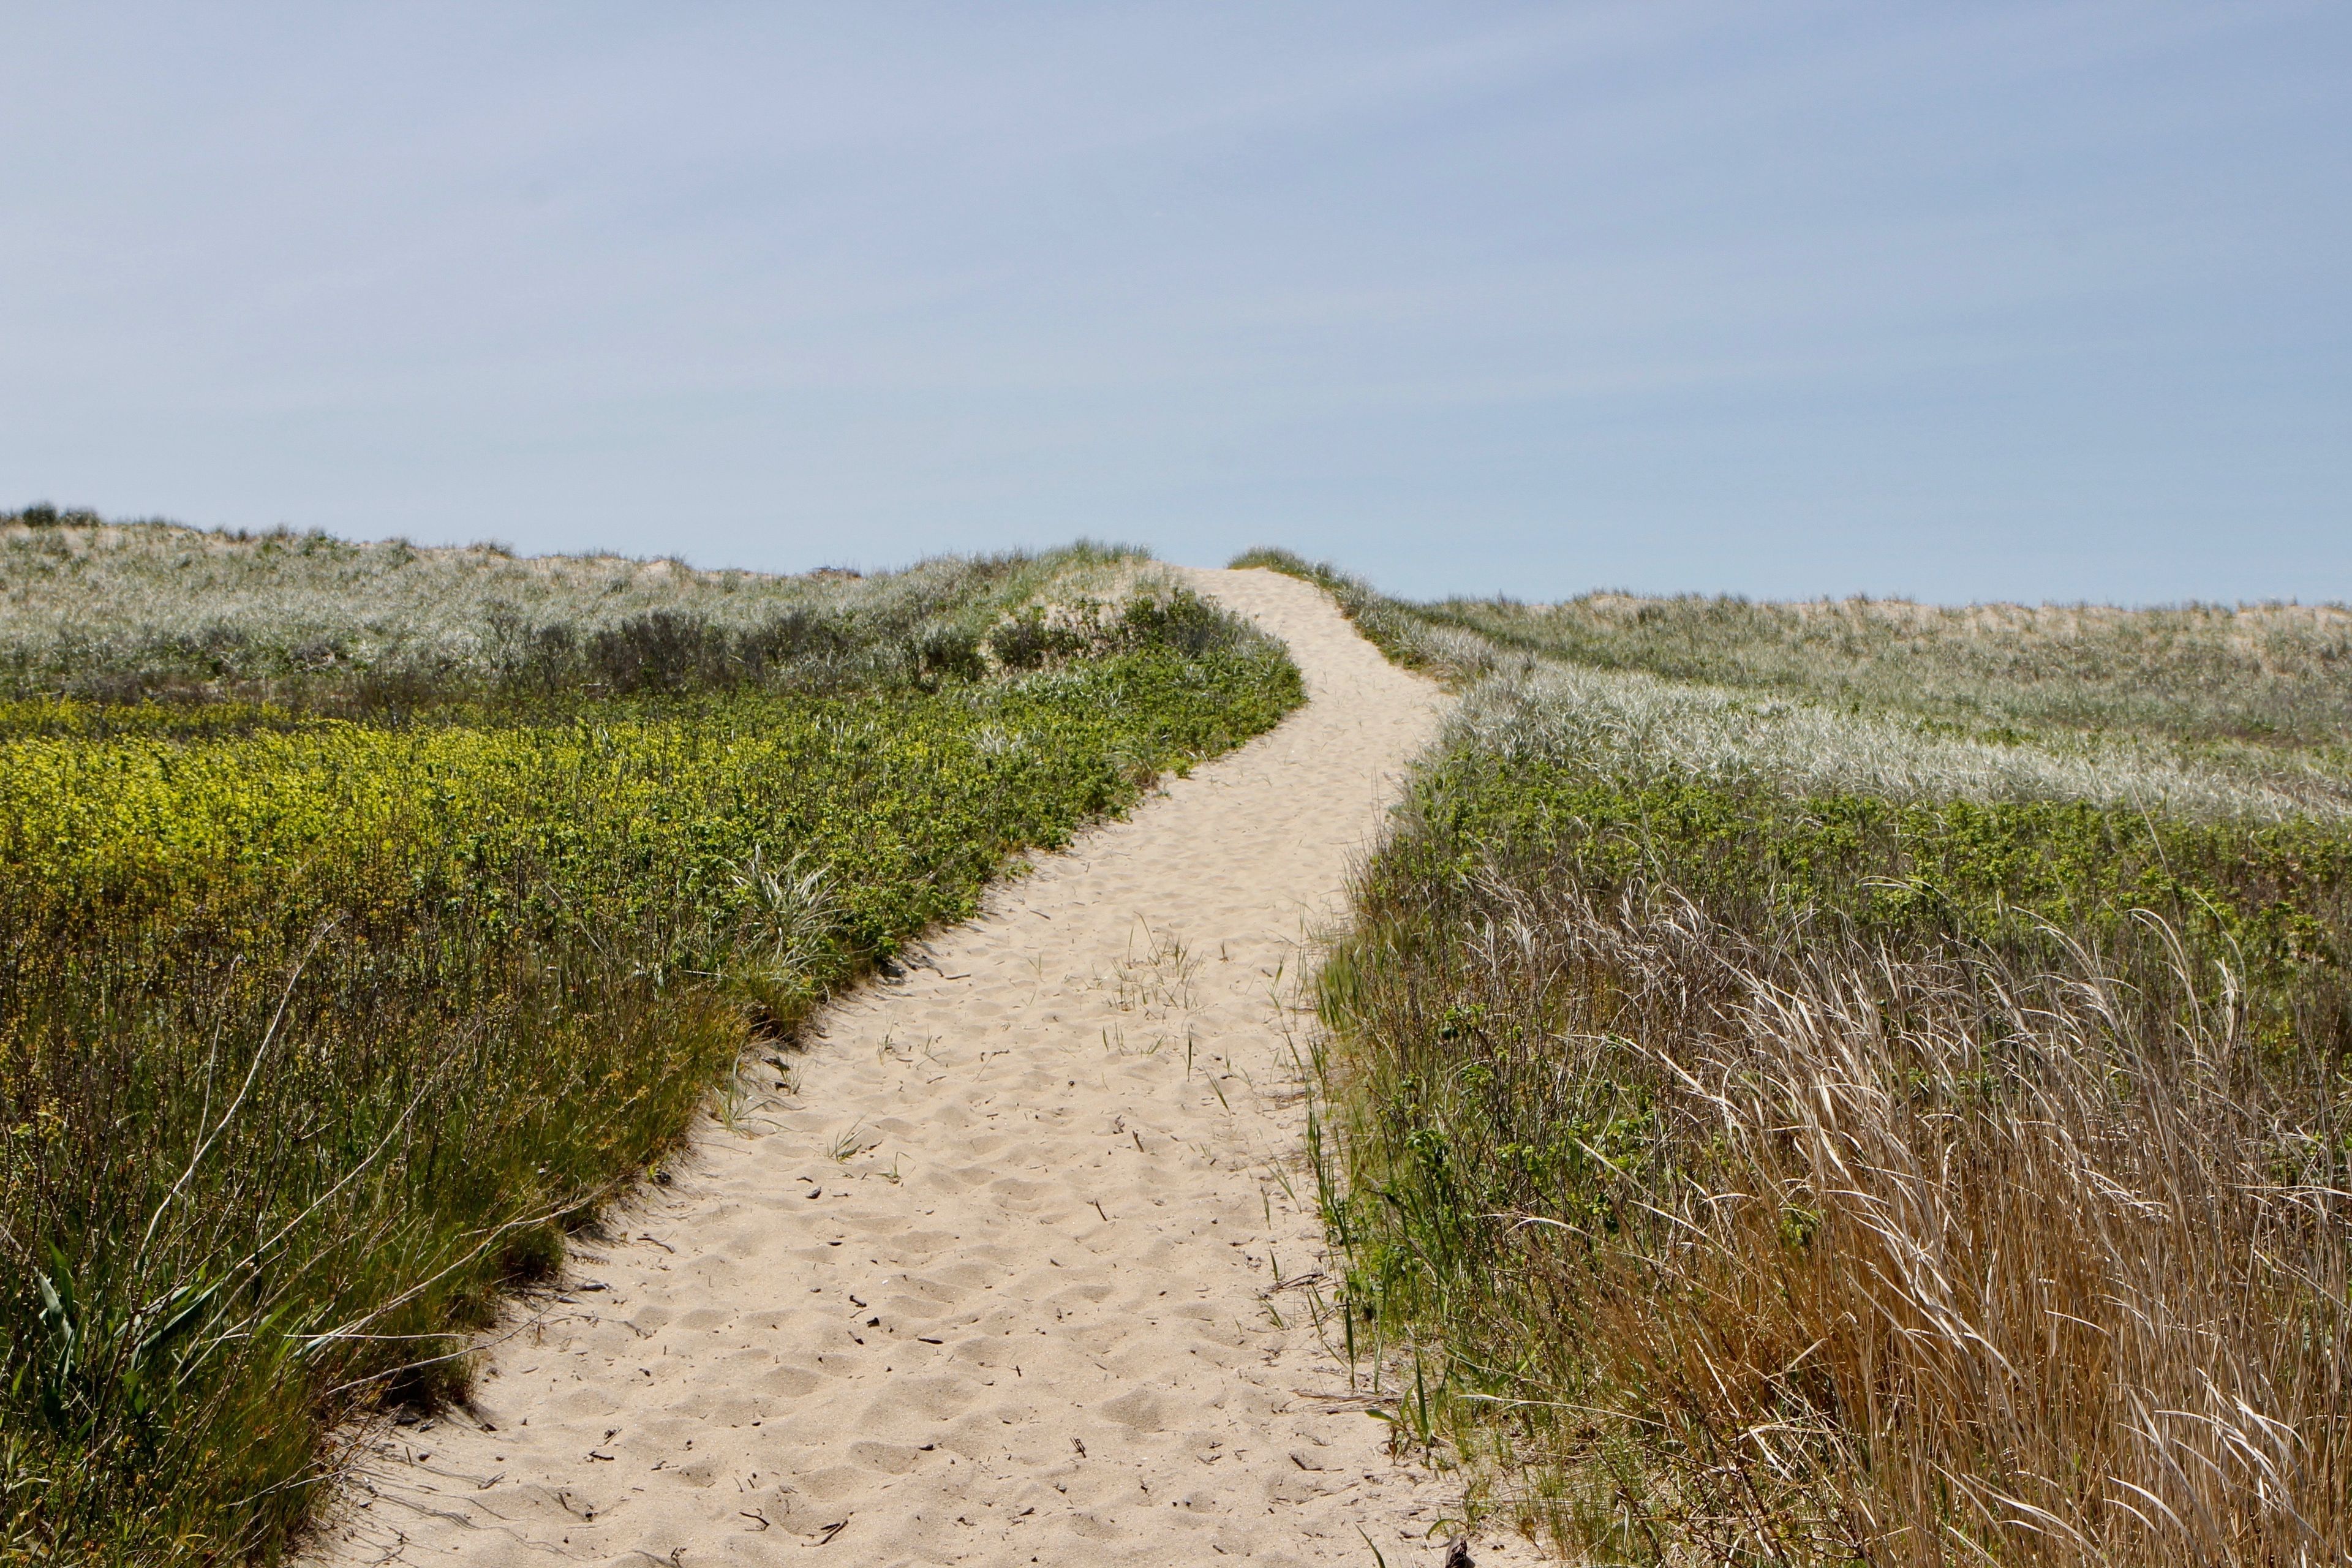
2038 301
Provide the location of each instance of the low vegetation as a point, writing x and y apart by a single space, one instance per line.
154 610
1858 1083
373 913
2264 673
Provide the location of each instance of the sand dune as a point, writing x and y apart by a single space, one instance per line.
1007 1275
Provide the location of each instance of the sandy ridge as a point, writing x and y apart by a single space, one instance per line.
1032 1317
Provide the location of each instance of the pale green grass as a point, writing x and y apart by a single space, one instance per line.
108 609
1635 728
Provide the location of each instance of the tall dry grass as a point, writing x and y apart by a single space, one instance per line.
1807 1251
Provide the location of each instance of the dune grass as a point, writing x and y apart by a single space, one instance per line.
1814 1119
337 991
2267 675
160 610
2264 673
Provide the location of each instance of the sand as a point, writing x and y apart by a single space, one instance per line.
1017 1269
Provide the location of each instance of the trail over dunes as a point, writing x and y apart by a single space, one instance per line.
993 1283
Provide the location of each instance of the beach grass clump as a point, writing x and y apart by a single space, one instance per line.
324 1020
1772 1127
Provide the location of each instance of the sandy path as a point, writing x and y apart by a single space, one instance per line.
1029 1322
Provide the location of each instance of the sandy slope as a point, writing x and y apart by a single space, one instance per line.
1032 1319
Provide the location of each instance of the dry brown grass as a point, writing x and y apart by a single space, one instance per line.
1837 1256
